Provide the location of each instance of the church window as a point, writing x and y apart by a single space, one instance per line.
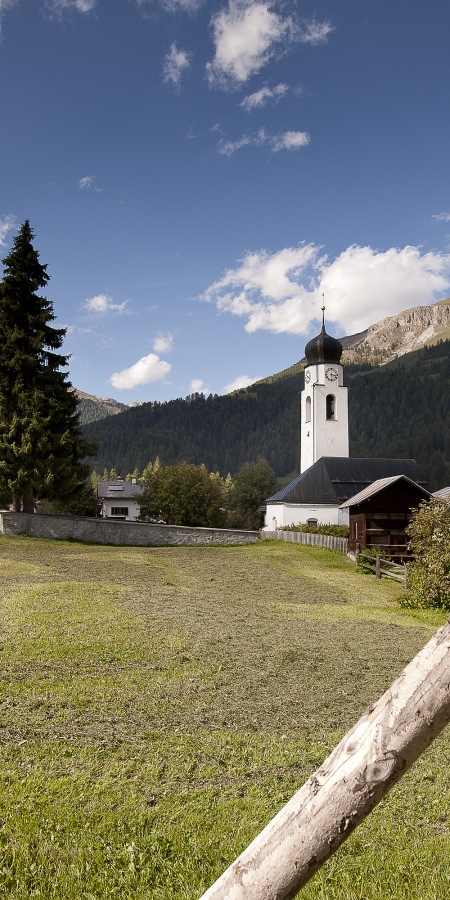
331 406
308 410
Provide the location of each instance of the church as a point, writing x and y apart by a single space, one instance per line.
328 475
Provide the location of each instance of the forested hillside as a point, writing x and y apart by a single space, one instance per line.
399 410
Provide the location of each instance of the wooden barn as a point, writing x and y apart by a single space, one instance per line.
380 514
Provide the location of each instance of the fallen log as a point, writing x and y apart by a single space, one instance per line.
372 757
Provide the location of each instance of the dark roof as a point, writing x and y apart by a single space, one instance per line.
323 349
334 479
381 485
123 490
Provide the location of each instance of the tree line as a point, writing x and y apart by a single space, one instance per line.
394 411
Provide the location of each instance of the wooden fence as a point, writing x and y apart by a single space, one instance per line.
381 566
315 540
374 755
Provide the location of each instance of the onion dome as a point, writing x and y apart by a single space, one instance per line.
323 349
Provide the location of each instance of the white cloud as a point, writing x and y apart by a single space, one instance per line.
442 217
174 64
196 386
241 381
290 140
260 98
7 223
148 368
315 32
245 37
248 33
88 183
163 343
59 7
102 303
282 292
286 140
4 5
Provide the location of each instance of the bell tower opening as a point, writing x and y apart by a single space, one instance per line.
308 409
331 406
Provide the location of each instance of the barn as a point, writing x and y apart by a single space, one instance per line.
379 516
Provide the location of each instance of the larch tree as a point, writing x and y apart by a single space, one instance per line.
41 444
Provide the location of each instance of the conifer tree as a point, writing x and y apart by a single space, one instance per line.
41 445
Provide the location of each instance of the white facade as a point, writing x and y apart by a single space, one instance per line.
279 515
324 414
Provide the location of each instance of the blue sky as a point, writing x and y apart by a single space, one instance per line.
198 173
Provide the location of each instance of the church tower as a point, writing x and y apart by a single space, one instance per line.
324 402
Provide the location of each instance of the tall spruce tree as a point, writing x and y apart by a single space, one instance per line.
41 445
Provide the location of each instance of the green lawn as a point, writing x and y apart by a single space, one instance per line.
158 707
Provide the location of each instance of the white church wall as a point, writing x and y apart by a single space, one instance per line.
278 515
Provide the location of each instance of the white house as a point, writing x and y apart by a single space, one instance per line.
119 499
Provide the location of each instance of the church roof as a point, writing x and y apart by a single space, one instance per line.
378 486
334 479
323 349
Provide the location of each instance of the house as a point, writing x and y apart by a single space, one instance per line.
119 499
379 516
318 495
328 476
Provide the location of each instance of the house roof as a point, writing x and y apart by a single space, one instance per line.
380 485
444 494
121 490
334 479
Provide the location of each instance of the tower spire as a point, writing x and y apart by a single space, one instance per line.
323 311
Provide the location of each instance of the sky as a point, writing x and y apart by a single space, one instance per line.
198 174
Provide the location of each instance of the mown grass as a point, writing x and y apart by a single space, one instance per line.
158 707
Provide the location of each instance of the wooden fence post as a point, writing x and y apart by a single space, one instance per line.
372 757
378 566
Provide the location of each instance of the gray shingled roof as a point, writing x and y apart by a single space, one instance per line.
122 490
444 494
379 486
334 479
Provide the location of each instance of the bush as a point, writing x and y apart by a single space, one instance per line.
335 530
182 495
429 573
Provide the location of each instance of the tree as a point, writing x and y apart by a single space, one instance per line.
182 495
253 484
41 445
429 573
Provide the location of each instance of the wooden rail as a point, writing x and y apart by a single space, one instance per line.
372 757
381 566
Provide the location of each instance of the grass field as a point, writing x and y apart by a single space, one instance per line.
158 707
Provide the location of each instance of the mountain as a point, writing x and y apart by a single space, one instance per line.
388 339
92 408
400 409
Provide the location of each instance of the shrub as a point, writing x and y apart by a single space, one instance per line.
335 530
429 573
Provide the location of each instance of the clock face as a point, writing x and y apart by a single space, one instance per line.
307 377
331 374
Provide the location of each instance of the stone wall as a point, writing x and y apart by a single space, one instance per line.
101 531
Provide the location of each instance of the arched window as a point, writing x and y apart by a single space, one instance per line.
331 406
308 409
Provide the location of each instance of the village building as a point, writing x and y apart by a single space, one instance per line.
380 514
119 499
328 475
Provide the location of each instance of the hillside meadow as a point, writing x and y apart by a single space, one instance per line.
158 707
